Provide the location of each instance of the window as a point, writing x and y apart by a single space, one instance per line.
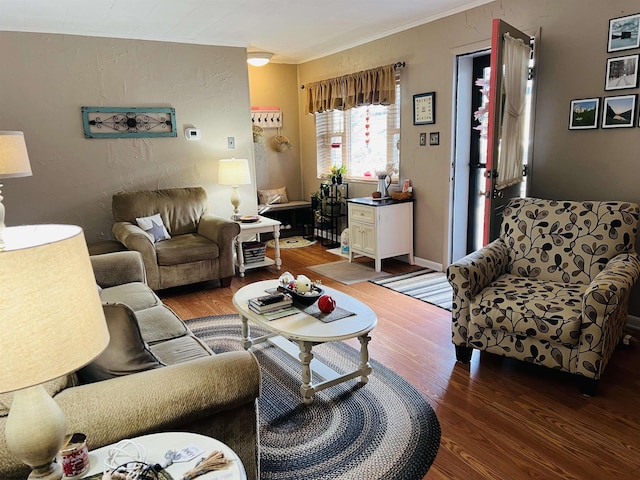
365 139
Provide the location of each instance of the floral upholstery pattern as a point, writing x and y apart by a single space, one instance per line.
554 288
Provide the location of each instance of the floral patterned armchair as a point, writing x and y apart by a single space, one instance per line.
553 289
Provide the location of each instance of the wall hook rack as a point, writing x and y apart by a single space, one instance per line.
267 118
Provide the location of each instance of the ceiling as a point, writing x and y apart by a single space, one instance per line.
294 30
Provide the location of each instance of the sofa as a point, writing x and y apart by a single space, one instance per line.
154 376
183 244
553 289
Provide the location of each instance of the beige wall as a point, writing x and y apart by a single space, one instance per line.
45 79
567 164
276 85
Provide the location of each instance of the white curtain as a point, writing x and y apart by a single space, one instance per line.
516 72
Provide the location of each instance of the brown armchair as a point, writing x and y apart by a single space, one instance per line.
200 247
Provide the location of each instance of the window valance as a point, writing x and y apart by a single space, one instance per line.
370 87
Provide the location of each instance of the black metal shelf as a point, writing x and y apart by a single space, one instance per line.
330 213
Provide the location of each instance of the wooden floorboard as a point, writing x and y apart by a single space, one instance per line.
501 419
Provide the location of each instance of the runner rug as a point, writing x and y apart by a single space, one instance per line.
426 285
383 430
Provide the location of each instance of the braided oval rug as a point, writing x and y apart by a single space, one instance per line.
382 430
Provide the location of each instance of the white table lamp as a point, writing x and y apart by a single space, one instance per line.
14 162
53 324
234 172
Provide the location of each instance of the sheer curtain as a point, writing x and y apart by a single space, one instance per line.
370 87
516 73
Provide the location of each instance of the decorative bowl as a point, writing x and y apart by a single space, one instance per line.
305 300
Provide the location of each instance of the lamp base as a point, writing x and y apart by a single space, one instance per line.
35 431
52 471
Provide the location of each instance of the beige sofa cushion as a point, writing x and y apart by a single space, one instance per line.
186 248
135 294
126 353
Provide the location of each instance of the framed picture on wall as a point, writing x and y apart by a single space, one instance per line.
623 33
584 114
619 112
622 72
424 108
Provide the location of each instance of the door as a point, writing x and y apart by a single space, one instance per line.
507 134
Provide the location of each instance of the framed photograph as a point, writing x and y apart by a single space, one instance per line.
424 108
622 72
623 33
618 112
423 139
434 138
584 114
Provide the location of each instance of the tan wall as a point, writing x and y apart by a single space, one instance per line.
276 85
45 79
567 164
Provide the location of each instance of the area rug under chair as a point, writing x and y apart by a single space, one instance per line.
347 273
384 430
426 285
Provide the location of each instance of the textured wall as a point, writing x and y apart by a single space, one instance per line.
44 81
277 85
567 164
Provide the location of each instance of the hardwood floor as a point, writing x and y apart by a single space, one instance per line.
500 418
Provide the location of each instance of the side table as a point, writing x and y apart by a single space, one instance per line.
253 230
157 444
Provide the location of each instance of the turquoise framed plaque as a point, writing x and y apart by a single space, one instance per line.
117 122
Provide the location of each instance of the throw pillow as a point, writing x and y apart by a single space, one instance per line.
275 195
154 226
126 353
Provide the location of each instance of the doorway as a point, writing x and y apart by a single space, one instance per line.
470 154
474 197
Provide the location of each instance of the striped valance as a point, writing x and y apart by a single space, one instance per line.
370 87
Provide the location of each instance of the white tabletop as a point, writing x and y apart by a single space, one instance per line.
157 444
301 326
263 222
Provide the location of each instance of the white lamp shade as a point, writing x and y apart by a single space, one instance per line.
51 315
259 59
14 160
234 171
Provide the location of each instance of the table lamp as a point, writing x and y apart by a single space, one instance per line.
234 171
52 324
14 162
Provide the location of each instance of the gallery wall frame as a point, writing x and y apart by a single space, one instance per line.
128 122
619 111
424 108
584 113
623 33
622 72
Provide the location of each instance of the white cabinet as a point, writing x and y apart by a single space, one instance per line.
380 229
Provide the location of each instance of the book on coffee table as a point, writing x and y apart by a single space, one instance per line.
268 303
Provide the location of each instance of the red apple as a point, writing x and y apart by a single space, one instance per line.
326 304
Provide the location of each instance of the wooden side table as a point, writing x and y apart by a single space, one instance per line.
157 444
253 230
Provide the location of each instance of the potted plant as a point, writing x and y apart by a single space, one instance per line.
337 172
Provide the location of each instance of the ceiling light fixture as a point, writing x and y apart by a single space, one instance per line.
258 59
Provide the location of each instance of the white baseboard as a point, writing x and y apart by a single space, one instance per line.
421 262
633 323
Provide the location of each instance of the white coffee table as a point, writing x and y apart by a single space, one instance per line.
298 333
157 444
253 230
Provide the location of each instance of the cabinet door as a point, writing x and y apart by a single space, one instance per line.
362 238
356 237
369 241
